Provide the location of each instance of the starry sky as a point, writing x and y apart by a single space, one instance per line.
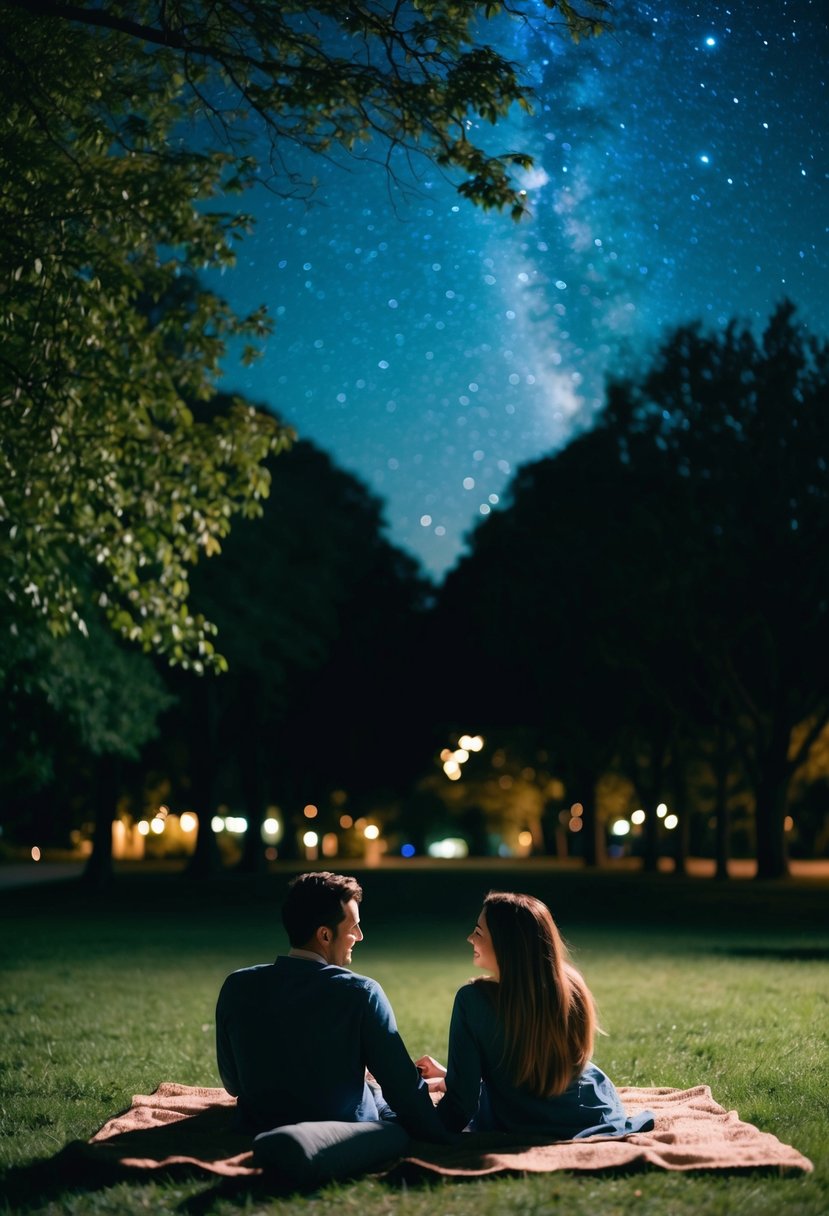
681 173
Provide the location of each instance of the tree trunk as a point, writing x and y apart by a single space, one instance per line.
98 869
206 859
553 831
592 834
252 777
772 859
773 775
650 781
650 851
682 833
286 784
722 810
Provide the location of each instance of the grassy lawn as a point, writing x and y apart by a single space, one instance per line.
105 996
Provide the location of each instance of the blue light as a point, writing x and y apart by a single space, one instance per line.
408 850
710 41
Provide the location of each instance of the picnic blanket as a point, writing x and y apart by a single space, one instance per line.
180 1126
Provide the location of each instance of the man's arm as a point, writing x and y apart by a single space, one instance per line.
390 1063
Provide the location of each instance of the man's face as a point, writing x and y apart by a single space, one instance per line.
347 935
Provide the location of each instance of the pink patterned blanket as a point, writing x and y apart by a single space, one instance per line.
183 1126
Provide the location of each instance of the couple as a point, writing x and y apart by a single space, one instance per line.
322 1077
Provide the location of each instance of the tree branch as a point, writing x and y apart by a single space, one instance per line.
102 18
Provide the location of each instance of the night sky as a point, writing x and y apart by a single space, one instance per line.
682 172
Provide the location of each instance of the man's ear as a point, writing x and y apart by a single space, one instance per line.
323 935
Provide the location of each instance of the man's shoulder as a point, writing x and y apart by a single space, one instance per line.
254 974
255 971
352 987
286 969
349 979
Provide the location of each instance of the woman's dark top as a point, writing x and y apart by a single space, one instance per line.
481 1096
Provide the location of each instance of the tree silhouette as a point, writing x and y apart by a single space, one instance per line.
658 584
735 431
127 137
125 134
531 620
76 708
320 614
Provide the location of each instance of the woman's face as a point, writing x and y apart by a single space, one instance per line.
483 953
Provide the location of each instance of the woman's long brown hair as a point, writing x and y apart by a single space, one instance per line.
544 1005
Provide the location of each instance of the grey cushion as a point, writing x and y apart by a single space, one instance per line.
309 1154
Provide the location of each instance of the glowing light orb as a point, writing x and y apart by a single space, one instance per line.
452 846
470 743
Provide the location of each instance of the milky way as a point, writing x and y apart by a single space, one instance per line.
681 173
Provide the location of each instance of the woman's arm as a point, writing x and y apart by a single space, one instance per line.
464 1066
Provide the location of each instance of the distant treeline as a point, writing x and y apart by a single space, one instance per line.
641 621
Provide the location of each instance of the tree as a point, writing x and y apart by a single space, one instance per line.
398 79
532 623
110 487
657 586
76 707
314 603
116 189
735 431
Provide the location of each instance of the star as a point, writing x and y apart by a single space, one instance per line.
388 311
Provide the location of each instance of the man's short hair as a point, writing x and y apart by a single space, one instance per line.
314 900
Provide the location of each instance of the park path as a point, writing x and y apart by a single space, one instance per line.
25 874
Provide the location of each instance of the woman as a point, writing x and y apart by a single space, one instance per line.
521 1038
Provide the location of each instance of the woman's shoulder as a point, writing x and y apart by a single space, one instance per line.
477 993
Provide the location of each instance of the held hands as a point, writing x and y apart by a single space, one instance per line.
433 1073
428 1066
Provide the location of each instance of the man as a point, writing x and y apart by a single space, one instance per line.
294 1038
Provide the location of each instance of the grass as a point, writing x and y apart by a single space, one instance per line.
106 996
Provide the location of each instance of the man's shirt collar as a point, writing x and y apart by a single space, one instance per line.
310 955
